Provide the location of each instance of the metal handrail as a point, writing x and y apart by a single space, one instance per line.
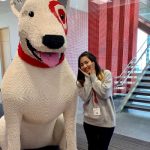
132 60
133 67
126 73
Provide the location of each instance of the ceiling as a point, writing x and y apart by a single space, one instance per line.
4 7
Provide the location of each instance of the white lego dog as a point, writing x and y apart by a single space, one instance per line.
39 85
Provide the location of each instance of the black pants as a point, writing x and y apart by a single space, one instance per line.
98 137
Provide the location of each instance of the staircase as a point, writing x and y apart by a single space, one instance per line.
140 98
133 85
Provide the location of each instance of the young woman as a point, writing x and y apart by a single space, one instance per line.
95 89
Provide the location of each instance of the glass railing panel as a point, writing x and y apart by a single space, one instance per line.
144 11
141 63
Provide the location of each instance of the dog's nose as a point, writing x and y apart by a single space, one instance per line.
53 41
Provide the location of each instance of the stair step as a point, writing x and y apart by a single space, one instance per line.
148 69
137 107
127 82
142 99
135 72
144 85
147 73
129 77
119 94
141 91
145 79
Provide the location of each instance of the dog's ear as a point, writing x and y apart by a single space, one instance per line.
66 3
16 6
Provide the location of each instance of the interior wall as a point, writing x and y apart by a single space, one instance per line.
8 20
81 5
0 65
141 38
5 52
5 49
77 36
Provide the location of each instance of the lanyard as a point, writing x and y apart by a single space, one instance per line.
95 98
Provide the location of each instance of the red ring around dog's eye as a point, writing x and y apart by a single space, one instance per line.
62 15
58 10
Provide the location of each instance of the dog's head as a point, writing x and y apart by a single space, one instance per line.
42 28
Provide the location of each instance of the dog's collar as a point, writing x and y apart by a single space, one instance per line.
33 61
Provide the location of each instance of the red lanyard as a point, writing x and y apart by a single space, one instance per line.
95 98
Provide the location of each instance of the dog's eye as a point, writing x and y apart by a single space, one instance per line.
31 14
62 15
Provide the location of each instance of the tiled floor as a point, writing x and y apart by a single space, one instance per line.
134 124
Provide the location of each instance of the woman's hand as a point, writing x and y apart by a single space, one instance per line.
87 75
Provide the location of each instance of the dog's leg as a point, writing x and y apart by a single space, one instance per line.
13 119
13 132
63 143
59 133
70 125
2 134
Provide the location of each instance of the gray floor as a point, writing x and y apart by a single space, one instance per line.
118 142
135 124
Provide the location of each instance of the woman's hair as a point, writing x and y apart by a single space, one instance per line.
99 71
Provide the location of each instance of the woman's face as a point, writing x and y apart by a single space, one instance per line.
85 64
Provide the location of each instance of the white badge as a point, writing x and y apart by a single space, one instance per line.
96 111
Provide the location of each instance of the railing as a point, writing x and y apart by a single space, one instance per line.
131 74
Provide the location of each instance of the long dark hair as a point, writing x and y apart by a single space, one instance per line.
81 76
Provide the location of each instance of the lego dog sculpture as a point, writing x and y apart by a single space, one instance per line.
39 85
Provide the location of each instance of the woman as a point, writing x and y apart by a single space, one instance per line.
95 89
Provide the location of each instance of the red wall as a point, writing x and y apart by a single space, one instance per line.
113 32
109 31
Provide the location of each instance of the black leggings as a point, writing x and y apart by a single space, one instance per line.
98 137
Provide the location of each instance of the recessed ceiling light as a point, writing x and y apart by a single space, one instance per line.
3 0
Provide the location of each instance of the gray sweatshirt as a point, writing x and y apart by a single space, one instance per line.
103 92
